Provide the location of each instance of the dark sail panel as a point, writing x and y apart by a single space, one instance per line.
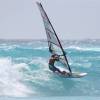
52 39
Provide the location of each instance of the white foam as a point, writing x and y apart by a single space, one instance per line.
41 48
8 47
42 72
10 79
84 48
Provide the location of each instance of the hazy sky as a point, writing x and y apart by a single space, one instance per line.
72 19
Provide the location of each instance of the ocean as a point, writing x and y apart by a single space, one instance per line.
24 71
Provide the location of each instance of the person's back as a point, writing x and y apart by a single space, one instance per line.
52 60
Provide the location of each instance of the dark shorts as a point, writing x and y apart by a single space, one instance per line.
53 68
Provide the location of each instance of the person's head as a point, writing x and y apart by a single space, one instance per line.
55 56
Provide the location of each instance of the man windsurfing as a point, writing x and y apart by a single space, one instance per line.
55 47
52 67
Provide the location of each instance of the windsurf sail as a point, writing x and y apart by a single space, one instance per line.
54 43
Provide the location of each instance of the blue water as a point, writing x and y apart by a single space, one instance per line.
24 69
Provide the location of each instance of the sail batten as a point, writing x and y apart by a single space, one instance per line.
54 44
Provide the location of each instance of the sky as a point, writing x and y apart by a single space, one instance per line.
72 19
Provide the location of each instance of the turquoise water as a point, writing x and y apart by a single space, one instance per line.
24 69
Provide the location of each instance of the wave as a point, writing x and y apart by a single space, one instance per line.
84 48
41 48
8 47
10 79
14 77
97 49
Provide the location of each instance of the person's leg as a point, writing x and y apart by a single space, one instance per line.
62 72
58 70
52 68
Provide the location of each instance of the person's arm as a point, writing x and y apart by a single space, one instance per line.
62 56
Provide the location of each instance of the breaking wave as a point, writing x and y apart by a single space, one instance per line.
84 48
11 78
24 70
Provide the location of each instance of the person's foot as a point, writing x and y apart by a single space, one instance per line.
64 73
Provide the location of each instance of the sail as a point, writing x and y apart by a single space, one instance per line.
54 44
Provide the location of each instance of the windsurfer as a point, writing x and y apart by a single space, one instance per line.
52 67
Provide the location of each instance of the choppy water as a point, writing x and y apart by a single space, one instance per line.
24 69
